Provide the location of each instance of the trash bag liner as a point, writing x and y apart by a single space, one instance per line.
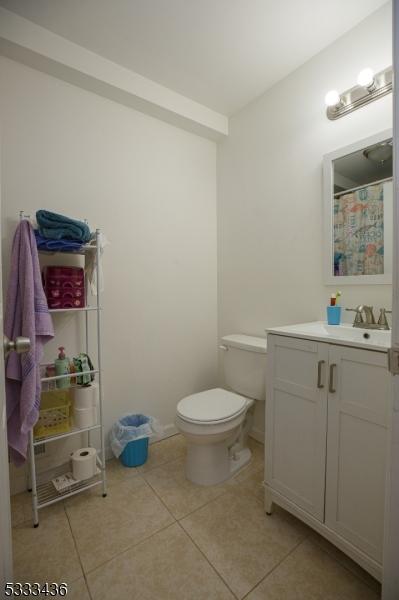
130 428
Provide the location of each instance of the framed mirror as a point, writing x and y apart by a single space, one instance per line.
358 212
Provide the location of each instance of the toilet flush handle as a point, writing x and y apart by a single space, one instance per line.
222 347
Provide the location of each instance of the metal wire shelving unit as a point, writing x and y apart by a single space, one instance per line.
43 491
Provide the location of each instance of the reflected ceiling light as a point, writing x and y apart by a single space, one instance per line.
380 153
332 98
370 87
366 79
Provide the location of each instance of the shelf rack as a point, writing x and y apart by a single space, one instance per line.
43 491
47 494
69 376
72 310
59 436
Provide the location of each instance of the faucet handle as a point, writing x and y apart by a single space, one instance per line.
382 321
358 317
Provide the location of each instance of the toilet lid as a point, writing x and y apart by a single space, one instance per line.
212 405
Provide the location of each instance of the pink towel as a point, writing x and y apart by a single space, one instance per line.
26 315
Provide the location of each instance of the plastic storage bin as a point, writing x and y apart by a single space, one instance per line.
54 414
135 453
64 287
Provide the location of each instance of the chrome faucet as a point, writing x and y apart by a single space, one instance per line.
369 323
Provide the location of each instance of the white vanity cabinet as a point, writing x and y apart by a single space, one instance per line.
327 412
356 446
296 421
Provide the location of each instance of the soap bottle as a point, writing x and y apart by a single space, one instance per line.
62 368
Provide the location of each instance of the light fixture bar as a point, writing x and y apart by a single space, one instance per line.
359 96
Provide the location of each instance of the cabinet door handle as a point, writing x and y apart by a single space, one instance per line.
331 387
320 364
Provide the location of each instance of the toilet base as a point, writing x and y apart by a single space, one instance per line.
214 463
239 460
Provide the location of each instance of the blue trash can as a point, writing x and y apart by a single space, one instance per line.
132 432
135 453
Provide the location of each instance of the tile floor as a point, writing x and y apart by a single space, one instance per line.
158 537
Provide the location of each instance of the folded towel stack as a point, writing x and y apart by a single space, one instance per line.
53 226
54 245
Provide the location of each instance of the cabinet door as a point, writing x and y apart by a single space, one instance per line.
358 412
296 421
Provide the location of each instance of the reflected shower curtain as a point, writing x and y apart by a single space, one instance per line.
359 231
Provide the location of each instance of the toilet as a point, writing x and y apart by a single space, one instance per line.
216 422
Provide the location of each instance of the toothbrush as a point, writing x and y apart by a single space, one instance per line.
337 297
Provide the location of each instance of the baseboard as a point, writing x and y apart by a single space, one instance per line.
18 481
170 430
257 435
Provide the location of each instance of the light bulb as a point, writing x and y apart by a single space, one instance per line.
332 98
365 78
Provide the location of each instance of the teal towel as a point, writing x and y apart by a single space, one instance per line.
58 227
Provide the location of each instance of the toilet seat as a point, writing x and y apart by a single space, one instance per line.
212 406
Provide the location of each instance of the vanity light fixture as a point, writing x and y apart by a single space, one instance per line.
366 79
333 99
370 87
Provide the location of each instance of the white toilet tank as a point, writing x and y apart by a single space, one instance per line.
245 365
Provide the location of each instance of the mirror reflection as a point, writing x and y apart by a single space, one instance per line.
362 186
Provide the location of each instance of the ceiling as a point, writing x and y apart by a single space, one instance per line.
221 53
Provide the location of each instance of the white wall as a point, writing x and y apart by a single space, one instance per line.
152 188
270 188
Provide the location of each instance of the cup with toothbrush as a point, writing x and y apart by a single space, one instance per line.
334 310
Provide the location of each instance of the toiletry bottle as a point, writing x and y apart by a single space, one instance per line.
62 368
72 370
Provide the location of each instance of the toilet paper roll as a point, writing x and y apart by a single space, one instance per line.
86 396
84 463
85 417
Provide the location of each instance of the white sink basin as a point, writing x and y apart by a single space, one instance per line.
344 334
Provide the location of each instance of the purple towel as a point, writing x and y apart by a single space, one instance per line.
26 315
